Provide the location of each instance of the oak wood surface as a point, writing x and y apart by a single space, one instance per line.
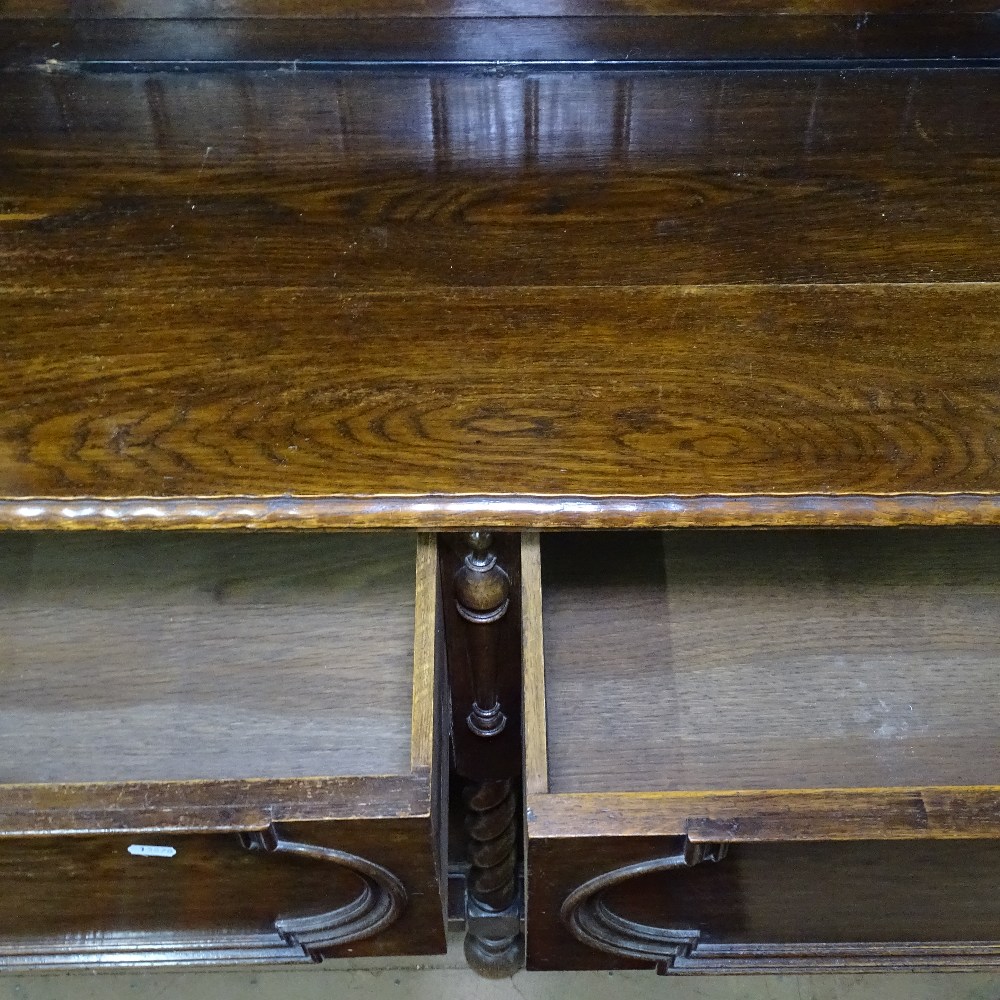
86 900
207 806
834 33
770 660
536 764
661 391
828 814
151 657
424 715
436 9
852 899
272 286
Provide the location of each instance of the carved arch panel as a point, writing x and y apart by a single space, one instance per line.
188 900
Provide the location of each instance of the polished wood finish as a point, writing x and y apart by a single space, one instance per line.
482 616
216 652
813 315
656 780
111 901
860 37
848 906
453 265
474 659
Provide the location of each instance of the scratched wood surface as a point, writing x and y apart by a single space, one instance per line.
747 660
340 286
150 657
58 44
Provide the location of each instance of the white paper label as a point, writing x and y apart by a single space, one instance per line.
151 851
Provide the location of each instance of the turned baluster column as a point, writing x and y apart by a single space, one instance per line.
484 664
482 596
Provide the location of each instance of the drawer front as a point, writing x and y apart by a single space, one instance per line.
220 748
287 894
750 753
756 907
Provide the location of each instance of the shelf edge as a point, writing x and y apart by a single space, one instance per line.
518 511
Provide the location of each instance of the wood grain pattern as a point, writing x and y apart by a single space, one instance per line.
830 814
573 147
86 901
207 806
178 657
822 905
536 763
356 405
424 729
714 327
777 660
858 37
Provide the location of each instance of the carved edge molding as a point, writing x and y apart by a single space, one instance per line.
454 512
595 924
592 922
294 939
378 905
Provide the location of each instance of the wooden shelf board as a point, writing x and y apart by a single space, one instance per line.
343 301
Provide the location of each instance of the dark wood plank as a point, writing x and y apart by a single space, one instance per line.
788 660
852 35
401 182
271 287
154 657
853 902
285 135
269 9
89 901
742 390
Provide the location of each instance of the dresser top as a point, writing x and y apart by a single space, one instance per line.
436 299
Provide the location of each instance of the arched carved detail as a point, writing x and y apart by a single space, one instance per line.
593 922
376 907
292 940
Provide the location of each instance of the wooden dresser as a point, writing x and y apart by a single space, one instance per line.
528 466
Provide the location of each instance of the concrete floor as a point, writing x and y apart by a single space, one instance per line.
445 978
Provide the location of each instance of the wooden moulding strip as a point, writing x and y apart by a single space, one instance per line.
934 813
424 646
207 806
825 30
536 765
454 512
